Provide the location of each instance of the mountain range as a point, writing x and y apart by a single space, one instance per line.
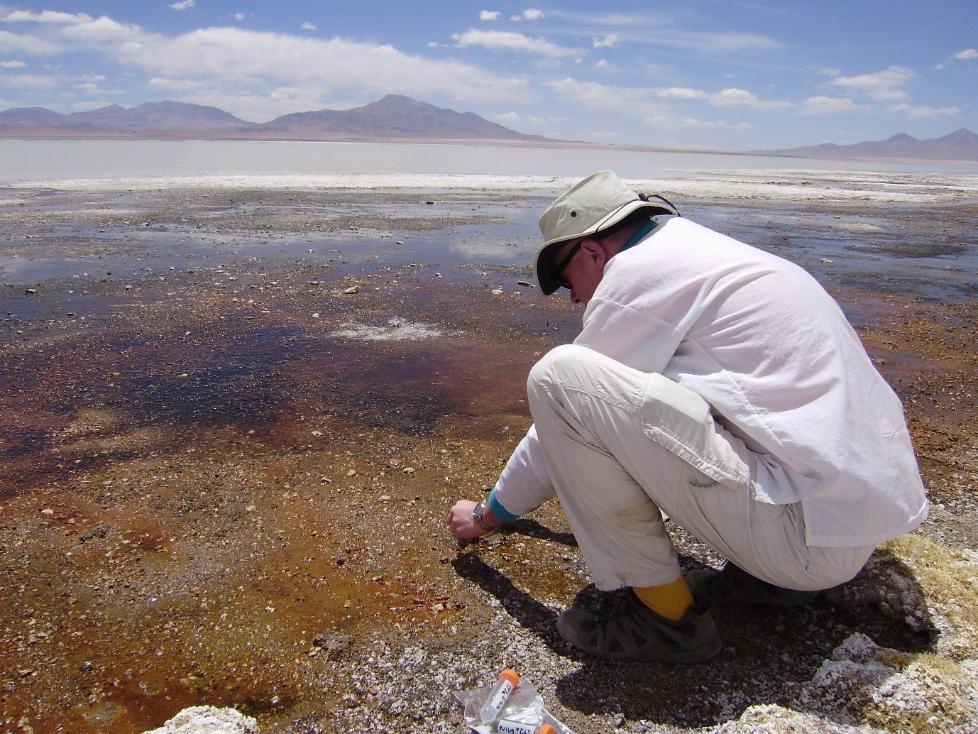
961 145
393 117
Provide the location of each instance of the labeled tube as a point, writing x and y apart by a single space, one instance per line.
508 726
508 680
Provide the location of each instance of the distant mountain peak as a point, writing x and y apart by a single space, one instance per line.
392 117
961 145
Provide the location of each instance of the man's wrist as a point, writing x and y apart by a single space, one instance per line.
482 516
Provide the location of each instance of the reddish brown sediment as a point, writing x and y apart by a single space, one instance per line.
208 496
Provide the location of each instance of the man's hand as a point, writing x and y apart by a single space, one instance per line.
463 526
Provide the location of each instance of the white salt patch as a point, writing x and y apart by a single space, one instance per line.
827 186
208 720
395 330
310 182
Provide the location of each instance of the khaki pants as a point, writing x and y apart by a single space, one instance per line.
621 444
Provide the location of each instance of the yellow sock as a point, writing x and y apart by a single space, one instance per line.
667 600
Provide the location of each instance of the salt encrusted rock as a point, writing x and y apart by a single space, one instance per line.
208 720
774 719
886 583
867 685
843 684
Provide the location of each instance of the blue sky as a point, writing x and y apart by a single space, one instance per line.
701 73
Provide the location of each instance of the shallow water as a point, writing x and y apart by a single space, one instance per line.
37 160
204 473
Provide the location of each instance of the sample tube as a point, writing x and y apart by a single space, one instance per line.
507 726
508 680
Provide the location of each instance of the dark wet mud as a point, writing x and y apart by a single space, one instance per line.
233 424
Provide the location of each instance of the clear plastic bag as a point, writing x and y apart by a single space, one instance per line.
525 705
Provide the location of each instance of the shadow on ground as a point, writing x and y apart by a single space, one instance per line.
768 655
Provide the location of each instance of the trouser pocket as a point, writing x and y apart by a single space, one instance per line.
680 421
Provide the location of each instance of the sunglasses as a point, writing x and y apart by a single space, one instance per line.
559 269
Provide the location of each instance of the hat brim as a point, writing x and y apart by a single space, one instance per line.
544 266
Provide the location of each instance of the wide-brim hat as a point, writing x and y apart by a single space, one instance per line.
595 204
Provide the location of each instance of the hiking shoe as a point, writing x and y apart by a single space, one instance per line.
732 586
629 630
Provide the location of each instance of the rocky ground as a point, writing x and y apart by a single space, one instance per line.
233 423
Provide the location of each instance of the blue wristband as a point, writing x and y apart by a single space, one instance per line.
498 511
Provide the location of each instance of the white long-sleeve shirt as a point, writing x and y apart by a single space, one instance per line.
763 343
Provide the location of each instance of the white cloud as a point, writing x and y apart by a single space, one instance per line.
508 117
28 81
914 111
183 4
681 93
967 54
506 40
601 64
45 16
489 15
12 64
713 44
18 43
658 29
678 122
609 41
730 97
734 97
239 16
307 26
529 14
515 118
104 30
599 96
257 70
828 105
883 86
648 103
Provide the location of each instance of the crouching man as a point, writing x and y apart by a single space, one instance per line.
720 384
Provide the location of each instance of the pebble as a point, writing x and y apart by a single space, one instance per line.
352 290
47 511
